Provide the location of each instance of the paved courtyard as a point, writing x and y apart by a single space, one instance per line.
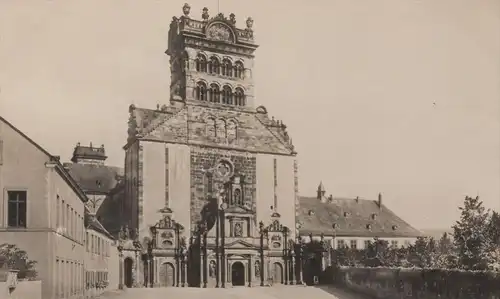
276 292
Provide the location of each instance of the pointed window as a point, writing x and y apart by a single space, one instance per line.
210 123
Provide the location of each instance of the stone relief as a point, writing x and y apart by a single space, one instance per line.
219 32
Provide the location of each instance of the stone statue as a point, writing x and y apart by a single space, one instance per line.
186 9
212 269
257 269
232 18
205 14
238 230
126 233
249 23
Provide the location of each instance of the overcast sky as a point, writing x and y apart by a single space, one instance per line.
394 96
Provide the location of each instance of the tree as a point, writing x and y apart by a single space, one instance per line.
17 259
471 236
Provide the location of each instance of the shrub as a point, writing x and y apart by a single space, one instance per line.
17 259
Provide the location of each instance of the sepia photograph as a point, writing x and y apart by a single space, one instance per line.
330 149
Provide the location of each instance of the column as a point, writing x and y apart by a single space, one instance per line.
138 267
250 265
293 279
202 267
185 283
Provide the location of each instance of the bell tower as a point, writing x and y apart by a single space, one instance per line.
211 61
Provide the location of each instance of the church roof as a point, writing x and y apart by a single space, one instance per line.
351 217
95 178
256 131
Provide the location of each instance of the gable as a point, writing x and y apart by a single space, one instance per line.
239 244
200 126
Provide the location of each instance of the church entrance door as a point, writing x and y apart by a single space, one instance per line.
238 274
167 275
277 273
128 264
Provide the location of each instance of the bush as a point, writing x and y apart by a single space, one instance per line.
17 259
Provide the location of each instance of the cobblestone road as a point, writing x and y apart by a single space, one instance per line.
276 292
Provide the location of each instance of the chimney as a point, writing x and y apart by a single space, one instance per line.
379 200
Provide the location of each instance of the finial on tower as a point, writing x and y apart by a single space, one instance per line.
249 23
205 14
186 9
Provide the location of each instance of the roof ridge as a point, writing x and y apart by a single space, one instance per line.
287 146
163 118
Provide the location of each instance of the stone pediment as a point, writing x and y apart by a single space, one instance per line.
239 244
238 210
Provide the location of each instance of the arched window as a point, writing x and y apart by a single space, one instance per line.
214 93
227 97
232 131
210 123
214 65
227 68
201 91
201 63
239 97
237 200
238 70
220 128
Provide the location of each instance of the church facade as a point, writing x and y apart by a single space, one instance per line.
211 183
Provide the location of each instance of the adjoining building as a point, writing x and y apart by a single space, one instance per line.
43 212
352 222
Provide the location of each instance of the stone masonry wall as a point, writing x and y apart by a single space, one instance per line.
205 158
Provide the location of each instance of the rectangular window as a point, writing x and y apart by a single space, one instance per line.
67 224
76 230
17 208
394 243
87 241
340 243
354 244
58 217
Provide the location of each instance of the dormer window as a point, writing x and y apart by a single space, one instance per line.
311 212
369 226
334 226
394 227
347 214
374 216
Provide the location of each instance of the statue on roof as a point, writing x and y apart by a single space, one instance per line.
205 14
232 18
249 23
186 9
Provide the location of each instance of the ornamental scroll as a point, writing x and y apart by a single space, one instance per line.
220 32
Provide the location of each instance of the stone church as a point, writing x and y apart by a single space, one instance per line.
211 187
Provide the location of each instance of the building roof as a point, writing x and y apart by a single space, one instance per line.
52 159
351 218
257 132
92 223
88 152
97 179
